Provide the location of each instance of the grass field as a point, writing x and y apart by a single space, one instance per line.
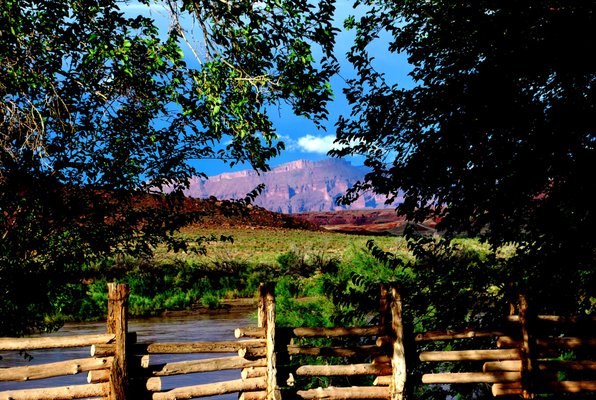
263 245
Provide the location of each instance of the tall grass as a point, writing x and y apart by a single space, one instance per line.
296 259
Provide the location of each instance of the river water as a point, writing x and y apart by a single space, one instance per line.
205 327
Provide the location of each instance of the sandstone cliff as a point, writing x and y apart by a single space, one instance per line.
298 186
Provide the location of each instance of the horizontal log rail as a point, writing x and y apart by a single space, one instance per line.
102 350
470 355
454 335
383 380
563 342
257 395
471 377
345 393
515 388
249 332
98 376
313 332
153 384
252 352
543 365
197 347
338 351
50 370
558 319
58 393
344 370
53 342
206 365
212 389
253 372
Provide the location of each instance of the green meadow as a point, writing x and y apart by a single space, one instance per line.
227 269
254 245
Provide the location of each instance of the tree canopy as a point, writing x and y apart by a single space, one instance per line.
101 108
496 137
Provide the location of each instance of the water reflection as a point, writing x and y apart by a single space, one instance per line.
201 327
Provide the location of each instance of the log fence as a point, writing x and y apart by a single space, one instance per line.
529 358
529 355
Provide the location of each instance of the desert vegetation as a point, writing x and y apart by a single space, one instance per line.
228 269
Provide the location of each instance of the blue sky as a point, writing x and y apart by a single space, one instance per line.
302 138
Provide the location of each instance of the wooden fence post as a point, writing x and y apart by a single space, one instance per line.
383 307
261 307
117 324
398 360
267 298
528 357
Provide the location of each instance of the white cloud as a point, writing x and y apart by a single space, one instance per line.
316 144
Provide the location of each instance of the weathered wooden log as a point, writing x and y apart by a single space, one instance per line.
258 395
506 389
198 347
557 319
384 341
102 350
338 331
181 348
453 335
206 365
506 342
471 377
572 365
250 332
341 393
383 380
53 342
515 388
145 361
543 365
101 375
58 393
352 351
153 384
212 389
117 324
252 352
42 371
567 386
254 372
314 332
470 355
381 359
508 365
344 370
561 342
107 349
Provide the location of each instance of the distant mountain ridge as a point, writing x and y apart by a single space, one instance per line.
298 186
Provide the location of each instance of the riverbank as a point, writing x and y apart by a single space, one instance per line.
231 306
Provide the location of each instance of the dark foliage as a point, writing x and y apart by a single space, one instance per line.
495 137
100 108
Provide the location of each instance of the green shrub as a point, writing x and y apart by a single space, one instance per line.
211 301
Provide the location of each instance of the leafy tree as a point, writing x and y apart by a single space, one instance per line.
495 137
101 111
